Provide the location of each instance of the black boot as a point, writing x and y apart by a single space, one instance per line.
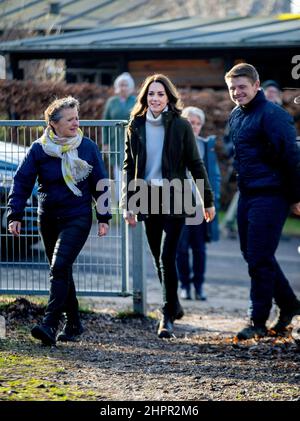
44 333
252 330
165 327
285 317
70 331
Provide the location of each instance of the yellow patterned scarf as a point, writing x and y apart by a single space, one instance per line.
73 168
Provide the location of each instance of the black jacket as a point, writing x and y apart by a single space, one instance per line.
180 153
266 156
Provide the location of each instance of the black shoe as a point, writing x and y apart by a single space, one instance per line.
70 332
285 318
252 331
44 333
165 327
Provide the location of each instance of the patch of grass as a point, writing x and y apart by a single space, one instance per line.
128 314
4 305
35 377
32 389
152 315
292 227
86 308
7 300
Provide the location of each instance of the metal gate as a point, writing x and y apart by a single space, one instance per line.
102 268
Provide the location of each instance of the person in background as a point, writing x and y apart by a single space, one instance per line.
68 167
194 237
267 162
272 91
117 107
160 147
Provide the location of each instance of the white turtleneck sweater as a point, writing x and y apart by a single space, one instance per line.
155 134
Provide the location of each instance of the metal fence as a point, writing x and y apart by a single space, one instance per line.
102 268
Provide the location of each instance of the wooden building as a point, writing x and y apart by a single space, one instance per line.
193 51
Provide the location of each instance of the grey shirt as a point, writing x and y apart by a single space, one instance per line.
155 134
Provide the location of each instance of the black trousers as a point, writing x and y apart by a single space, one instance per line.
163 234
63 239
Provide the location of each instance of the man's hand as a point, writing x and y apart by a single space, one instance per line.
14 228
102 229
295 208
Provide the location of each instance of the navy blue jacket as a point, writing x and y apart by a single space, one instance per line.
266 156
54 196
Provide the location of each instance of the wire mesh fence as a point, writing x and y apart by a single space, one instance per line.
102 266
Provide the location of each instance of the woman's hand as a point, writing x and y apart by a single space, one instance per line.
14 228
130 218
102 229
209 214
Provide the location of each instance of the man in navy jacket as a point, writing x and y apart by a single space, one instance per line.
267 161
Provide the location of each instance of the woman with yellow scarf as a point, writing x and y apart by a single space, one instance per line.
68 167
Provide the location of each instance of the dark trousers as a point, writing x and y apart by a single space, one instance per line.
260 223
163 233
192 237
63 240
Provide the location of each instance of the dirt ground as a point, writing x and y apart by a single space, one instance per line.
120 358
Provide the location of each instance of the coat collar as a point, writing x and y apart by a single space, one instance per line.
258 99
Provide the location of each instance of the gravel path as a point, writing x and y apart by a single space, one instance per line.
119 357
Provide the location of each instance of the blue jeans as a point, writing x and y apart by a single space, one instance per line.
260 222
63 240
192 237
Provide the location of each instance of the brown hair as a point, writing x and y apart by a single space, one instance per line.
243 69
141 105
53 111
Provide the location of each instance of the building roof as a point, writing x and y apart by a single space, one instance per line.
65 15
195 32
45 15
